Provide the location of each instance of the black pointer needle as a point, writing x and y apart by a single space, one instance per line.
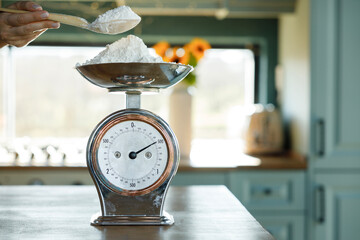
145 148
133 155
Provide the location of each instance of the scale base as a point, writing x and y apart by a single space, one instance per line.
99 220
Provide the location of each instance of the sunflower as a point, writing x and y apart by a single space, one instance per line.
170 55
184 54
177 55
198 46
160 48
189 54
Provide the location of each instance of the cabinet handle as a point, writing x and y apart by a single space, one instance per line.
320 138
267 191
320 204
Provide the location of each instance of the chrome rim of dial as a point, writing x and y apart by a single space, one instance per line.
132 154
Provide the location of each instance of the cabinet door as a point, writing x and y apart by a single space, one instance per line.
335 83
337 209
287 227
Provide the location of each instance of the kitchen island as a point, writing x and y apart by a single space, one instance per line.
63 212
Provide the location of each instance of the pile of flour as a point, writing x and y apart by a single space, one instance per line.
125 50
104 21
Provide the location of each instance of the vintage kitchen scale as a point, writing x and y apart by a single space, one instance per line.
133 154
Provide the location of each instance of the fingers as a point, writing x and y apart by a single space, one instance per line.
33 27
19 19
21 29
23 35
26 5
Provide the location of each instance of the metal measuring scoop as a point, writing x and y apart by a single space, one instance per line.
112 27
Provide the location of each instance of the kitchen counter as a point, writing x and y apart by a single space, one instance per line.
63 212
200 167
281 161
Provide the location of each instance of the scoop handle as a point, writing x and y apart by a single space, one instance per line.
62 18
69 20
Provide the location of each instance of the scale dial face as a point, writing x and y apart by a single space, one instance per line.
132 154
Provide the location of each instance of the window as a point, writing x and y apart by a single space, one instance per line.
44 97
52 99
225 85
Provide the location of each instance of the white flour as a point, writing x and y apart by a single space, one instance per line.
129 49
106 21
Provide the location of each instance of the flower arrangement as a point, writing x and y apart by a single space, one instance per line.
190 53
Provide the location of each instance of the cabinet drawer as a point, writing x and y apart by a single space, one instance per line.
260 190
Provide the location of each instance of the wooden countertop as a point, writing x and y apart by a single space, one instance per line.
63 212
282 161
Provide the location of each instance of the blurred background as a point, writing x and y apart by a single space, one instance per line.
272 114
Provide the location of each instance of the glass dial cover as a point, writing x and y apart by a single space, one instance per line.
132 154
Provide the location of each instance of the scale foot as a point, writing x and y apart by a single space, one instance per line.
99 220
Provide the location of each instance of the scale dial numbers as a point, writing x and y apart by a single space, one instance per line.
133 154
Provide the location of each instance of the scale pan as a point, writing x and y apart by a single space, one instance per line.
134 76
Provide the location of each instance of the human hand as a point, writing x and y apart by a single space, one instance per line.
19 29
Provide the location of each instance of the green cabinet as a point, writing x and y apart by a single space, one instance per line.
337 214
275 198
335 83
334 183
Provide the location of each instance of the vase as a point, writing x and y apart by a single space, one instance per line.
180 117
